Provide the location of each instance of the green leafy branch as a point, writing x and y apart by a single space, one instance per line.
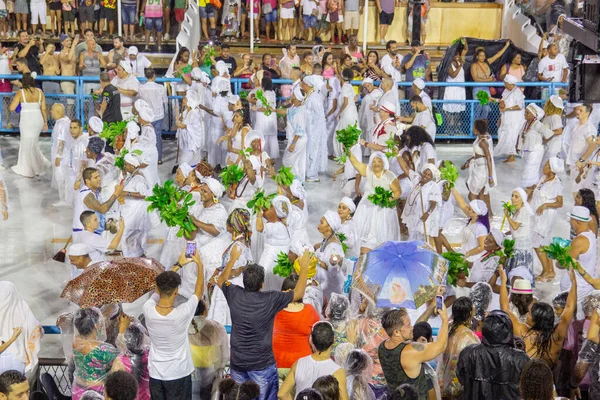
120 159
390 147
112 130
173 206
457 266
284 176
260 201
260 95
283 266
231 175
209 53
483 97
382 198
347 137
559 250
449 172
342 238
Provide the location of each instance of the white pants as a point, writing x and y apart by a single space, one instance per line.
38 10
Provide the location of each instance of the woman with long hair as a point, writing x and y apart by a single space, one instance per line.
330 255
134 347
421 146
459 337
481 165
482 72
514 68
182 68
266 118
34 120
520 224
586 198
236 135
536 381
329 65
370 66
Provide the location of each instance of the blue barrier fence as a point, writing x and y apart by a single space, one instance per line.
458 116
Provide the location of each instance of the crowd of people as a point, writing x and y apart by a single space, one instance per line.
224 308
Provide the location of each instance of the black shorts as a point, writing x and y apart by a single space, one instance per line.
86 13
67 16
55 6
385 18
108 13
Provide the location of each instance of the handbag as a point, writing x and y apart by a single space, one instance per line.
267 8
334 17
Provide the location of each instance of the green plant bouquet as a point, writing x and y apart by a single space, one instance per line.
510 209
382 198
112 130
231 175
283 266
209 53
173 206
120 159
244 95
246 152
449 172
347 137
342 239
483 97
284 176
457 265
559 250
260 95
260 201
390 148
505 253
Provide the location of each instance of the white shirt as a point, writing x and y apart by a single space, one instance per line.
8 361
308 6
170 355
155 95
425 119
426 100
139 65
387 65
553 68
96 244
129 83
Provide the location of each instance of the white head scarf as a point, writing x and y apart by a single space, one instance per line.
537 112
298 189
215 187
278 202
96 124
126 65
193 98
139 104
185 169
252 135
349 203
498 236
380 155
147 114
196 74
523 197
233 99
479 207
132 159
333 219
298 93
510 79
221 68
309 80
557 165
133 129
557 101
434 171
223 86
79 249
259 76
14 313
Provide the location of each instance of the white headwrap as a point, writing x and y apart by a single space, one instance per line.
510 79
523 197
278 202
252 135
132 159
498 236
193 98
349 203
258 75
557 101
380 155
435 172
139 104
333 219
133 129
419 83
126 65
221 68
537 112
223 86
298 93
233 99
196 74
185 169
79 249
297 189
96 124
215 187
147 114
309 80
557 165
479 207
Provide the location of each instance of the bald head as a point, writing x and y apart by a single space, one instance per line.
387 84
57 111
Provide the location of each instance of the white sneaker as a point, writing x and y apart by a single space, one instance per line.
60 204
151 38
167 36
382 42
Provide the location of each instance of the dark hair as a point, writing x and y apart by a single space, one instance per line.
266 83
480 50
253 277
134 338
76 121
21 31
345 57
180 54
104 77
560 300
246 112
481 125
167 282
356 362
417 136
200 308
120 385
290 282
422 329
324 59
149 73
88 30
536 381
87 173
328 386
290 45
393 320
23 60
522 301
306 54
230 390
309 394
224 46
9 378
406 391
317 66
376 54
322 336
462 309
588 200
588 107
85 216
542 315
27 81
517 53
85 320
416 99
119 38
347 74
389 44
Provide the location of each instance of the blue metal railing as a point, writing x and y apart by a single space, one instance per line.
455 125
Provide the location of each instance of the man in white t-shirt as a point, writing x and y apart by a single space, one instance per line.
97 245
127 85
139 62
553 68
79 258
391 62
582 145
170 362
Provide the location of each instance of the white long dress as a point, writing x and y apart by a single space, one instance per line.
545 192
456 93
522 262
136 217
60 133
277 239
147 142
331 122
478 178
375 224
552 147
191 138
332 279
211 248
236 143
366 116
348 116
296 126
512 122
532 151
267 125
216 153
31 161
417 204
316 149
76 158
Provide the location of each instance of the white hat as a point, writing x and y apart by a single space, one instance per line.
255 135
126 66
221 68
367 80
146 113
498 236
388 107
132 130
479 207
185 169
215 186
537 112
557 165
223 85
79 249
434 170
278 202
580 213
132 159
333 219
133 51
419 83
233 99
349 203
557 101
309 80
96 124
521 286
139 104
510 79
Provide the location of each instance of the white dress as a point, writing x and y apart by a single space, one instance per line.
174 245
331 122
543 225
236 143
352 239
191 139
316 150
417 204
76 158
366 115
456 93
512 122
348 116
425 120
470 239
147 143
267 125
296 126
136 217
277 239
375 224
532 151
211 248
577 148
522 262
552 147
423 154
332 279
216 153
31 161
478 178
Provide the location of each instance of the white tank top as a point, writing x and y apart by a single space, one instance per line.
308 370
588 261
79 206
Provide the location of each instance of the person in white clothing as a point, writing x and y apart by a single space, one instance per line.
553 111
61 146
307 370
39 10
582 145
76 161
134 208
170 363
520 224
481 165
391 63
139 62
294 155
155 95
190 132
552 68
128 86
315 128
512 107
530 145
418 88
422 117
79 258
366 112
147 143
421 214
97 245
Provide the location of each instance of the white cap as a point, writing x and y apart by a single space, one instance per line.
510 79
133 51
419 83
96 125
79 249
580 213
557 101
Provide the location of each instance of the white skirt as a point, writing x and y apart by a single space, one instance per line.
296 159
268 260
508 134
375 224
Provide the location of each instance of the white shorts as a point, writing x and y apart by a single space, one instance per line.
351 20
38 10
287 13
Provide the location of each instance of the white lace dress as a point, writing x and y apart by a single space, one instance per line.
211 248
512 122
277 239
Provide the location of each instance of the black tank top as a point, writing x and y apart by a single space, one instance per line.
394 373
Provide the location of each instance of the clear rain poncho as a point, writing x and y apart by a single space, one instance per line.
338 313
359 369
